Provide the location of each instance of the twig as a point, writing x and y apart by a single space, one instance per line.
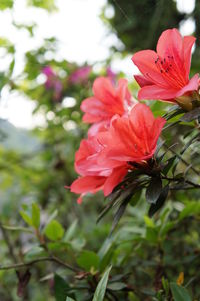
195 185
28 264
181 159
9 244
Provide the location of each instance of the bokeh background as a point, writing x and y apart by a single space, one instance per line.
50 54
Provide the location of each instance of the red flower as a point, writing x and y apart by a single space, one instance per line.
165 73
95 176
107 101
104 160
131 138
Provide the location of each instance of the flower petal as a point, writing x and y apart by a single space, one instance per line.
191 86
87 184
188 42
114 179
145 61
103 90
142 81
156 92
170 43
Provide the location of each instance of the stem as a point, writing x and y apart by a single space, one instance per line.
9 244
27 264
186 181
181 159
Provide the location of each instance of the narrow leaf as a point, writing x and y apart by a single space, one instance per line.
119 213
35 215
154 189
101 287
61 288
160 202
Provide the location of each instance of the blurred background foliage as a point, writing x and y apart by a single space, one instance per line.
152 259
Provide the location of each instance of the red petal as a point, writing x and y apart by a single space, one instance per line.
188 42
170 43
114 179
156 92
87 184
103 89
191 86
142 81
145 61
94 109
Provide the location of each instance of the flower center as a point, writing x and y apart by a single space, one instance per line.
171 71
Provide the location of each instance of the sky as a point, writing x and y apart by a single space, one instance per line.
82 35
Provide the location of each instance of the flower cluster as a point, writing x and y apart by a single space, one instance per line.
124 133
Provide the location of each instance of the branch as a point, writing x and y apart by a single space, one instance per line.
9 244
181 159
28 264
195 185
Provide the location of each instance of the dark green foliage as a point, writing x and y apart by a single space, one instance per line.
139 23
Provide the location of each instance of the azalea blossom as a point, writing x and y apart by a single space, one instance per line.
95 176
107 101
165 73
104 160
131 138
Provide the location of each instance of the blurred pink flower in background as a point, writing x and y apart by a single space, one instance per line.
111 74
80 75
52 82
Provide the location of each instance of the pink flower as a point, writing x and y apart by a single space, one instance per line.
95 176
104 160
131 138
107 101
165 73
52 82
80 75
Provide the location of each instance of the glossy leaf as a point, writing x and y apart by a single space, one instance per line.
101 287
160 202
154 189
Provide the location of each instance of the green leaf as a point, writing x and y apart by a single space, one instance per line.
101 287
88 260
35 215
169 165
192 208
119 213
54 230
149 222
116 286
154 189
160 202
26 218
179 293
61 288
6 4
45 4
69 299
